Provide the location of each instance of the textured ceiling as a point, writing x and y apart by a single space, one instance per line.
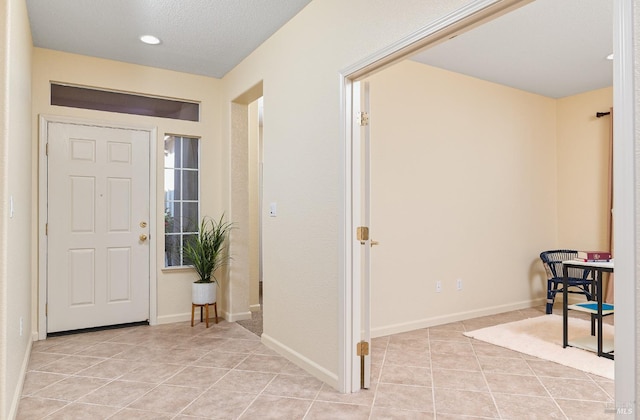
555 48
206 37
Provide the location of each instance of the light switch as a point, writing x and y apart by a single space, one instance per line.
273 209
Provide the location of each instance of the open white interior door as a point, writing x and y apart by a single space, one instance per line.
361 363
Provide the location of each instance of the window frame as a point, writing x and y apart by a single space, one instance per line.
76 96
180 233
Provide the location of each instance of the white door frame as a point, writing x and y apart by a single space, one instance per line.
43 204
625 207
460 21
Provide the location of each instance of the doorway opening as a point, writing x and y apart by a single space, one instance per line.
245 296
254 182
461 22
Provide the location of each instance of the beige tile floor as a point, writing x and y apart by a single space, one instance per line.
224 372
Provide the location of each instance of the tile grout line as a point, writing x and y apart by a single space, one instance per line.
210 387
603 390
433 384
313 401
257 396
76 375
379 378
547 390
495 404
183 367
156 339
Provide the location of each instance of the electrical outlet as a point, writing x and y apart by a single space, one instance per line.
459 284
438 286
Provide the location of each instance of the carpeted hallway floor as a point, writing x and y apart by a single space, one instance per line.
254 324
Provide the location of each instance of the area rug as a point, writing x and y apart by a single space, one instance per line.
542 337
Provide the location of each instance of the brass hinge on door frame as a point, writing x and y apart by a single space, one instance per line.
46 229
362 234
46 309
362 118
362 349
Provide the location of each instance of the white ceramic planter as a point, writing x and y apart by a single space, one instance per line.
203 293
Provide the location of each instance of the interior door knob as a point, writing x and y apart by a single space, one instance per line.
143 237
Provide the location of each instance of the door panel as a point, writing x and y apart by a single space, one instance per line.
366 219
119 202
81 270
98 197
361 366
82 204
119 274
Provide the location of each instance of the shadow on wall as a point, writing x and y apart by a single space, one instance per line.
537 277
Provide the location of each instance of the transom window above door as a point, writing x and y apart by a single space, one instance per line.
123 102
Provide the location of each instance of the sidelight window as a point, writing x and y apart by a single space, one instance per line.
181 195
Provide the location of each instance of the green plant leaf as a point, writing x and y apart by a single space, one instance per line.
206 251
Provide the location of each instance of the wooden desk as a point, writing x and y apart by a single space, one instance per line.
597 269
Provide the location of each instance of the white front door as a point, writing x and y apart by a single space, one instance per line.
97 226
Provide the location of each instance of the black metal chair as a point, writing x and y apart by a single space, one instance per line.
578 279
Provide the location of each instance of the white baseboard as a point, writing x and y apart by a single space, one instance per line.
455 317
330 378
231 317
255 308
15 401
170 319
239 316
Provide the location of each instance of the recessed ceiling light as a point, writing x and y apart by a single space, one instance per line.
150 39
610 56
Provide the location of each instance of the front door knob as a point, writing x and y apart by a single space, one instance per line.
143 237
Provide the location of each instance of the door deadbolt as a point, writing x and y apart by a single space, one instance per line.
143 224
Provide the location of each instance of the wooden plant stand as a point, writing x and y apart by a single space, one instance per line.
206 310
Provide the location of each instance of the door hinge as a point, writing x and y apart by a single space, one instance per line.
46 149
362 118
362 233
46 229
362 349
46 309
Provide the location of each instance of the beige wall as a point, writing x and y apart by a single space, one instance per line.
461 170
303 162
303 170
15 182
173 285
303 173
583 154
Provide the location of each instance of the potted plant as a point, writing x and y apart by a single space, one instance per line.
206 253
